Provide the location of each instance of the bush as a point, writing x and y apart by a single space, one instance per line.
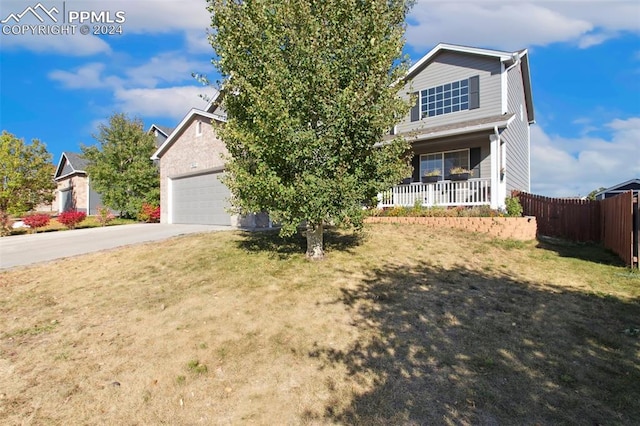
6 224
436 211
71 218
513 206
104 216
36 221
149 213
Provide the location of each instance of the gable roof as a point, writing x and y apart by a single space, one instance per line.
161 133
70 163
166 131
621 187
181 127
215 106
507 58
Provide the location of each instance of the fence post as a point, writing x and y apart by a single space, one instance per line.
636 231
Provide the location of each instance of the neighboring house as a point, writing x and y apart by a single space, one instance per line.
161 133
74 190
630 185
473 108
192 161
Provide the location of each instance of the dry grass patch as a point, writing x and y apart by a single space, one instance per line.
402 325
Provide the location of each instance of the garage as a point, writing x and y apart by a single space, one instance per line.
200 199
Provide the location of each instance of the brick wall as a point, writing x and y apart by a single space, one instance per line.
79 192
517 228
190 153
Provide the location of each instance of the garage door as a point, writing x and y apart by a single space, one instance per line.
200 199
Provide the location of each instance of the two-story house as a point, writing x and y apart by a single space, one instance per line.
192 162
472 110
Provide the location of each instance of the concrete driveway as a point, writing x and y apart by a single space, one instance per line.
21 250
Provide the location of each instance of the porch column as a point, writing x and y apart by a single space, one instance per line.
503 181
494 140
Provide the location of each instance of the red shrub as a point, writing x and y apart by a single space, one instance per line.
104 216
71 218
36 221
149 213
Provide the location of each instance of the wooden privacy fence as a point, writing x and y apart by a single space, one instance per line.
613 222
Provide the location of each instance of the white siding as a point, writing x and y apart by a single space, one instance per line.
448 67
516 136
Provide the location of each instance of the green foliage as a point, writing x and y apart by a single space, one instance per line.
513 206
26 174
120 168
309 94
419 211
196 367
592 194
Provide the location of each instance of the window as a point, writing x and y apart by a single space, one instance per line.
445 99
198 128
444 161
451 97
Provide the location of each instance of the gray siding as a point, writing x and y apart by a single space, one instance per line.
447 67
444 145
516 136
95 200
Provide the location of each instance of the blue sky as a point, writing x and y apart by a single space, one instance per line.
584 58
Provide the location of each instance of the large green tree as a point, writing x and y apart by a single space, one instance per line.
309 93
119 166
26 174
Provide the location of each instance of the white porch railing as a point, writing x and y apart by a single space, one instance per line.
472 192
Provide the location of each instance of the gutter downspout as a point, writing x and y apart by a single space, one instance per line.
516 61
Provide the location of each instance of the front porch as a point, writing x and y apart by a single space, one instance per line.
444 193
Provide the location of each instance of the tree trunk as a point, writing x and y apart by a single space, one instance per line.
314 241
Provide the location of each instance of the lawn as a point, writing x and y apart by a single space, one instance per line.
399 325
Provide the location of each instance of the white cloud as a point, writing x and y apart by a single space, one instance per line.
575 166
141 17
198 42
88 76
154 89
159 16
506 24
168 67
71 45
173 102
161 70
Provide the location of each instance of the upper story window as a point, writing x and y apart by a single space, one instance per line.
450 97
198 128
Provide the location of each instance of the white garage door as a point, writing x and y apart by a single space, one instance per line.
200 199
